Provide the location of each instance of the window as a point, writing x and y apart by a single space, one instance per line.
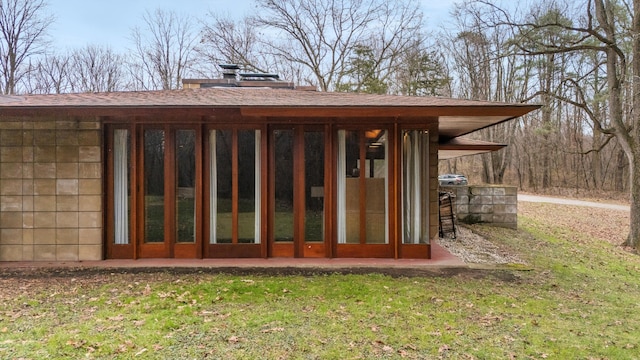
234 186
362 187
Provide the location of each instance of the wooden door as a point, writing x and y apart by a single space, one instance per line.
297 191
169 192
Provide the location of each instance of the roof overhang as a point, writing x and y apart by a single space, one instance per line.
458 147
455 117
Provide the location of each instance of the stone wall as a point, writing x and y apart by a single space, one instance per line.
50 189
492 204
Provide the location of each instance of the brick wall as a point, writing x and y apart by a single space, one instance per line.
50 190
492 204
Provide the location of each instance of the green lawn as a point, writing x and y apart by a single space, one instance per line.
580 300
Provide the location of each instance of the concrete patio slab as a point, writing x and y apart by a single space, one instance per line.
441 258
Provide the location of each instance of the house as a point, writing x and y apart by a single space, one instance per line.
248 168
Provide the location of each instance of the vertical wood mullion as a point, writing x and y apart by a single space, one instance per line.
169 189
363 185
140 187
271 190
394 142
133 205
264 193
329 178
299 206
198 194
206 194
234 187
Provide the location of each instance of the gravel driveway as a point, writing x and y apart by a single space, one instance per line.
562 201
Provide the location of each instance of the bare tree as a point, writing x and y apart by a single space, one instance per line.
163 50
49 75
612 29
96 69
320 36
23 27
225 41
483 69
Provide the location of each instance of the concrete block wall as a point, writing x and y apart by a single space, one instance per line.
492 204
50 189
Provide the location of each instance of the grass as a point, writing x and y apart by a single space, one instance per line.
580 301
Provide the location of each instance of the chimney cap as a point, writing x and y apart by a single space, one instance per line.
230 66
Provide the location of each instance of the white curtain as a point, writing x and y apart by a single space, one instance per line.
121 186
341 188
213 188
258 189
415 186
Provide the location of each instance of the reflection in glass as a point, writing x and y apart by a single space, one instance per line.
154 144
221 186
185 185
247 186
314 186
283 217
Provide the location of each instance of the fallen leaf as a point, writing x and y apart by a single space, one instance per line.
234 339
277 329
117 318
141 352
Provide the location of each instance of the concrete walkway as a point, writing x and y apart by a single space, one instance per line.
562 201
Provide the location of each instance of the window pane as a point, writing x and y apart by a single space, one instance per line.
283 217
246 186
154 143
352 187
314 186
185 185
223 191
376 187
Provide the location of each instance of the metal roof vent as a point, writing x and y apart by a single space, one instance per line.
229 71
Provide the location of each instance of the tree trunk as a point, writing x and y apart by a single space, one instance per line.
618 176
633 239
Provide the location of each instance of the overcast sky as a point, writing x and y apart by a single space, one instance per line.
109 22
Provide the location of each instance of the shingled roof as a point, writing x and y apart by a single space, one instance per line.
456 117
